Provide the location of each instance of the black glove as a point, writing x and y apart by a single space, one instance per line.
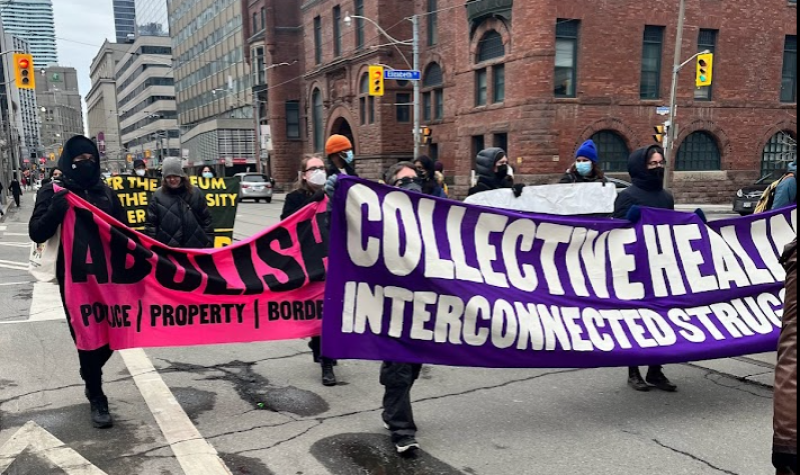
785 463
702 214
318 197
59 206
518 190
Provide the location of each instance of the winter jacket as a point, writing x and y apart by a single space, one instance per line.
16 188
487 178
646 191
786 193
180 219
46 219
299 199
785 443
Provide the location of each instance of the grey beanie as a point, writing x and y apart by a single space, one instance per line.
172 167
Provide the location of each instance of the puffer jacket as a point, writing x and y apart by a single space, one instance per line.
487 179
180 219
785 443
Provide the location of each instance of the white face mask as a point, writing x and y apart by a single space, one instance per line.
318 178
141 173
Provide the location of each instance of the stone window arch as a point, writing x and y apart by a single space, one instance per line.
613 150
490 73
778 153
318 119
699 152
433 93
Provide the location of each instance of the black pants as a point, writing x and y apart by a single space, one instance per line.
16 199
399 379
92 362
316 349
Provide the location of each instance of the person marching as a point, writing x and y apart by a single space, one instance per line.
80 163
16 191
647 168
178 215
784 452
426 172
311 189
493 171
208 173
140 168
587 166
55 176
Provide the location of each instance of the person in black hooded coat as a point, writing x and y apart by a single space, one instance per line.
178 215
493 169
647 168
80 164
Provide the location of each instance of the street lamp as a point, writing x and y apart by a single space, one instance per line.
414 43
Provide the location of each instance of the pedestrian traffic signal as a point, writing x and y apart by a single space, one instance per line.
427 136
377 82
705 70
24 74
661 133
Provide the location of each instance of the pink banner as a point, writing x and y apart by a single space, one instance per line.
129 291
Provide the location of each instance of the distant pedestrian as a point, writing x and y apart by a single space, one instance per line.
55 176
586 168
16 190
208 173
80 162
140 168
310 189
440 177
647 168
785 443
786 192
178 215
426 171
493 171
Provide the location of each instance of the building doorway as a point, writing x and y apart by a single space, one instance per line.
342 127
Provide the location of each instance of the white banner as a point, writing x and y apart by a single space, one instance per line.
561 200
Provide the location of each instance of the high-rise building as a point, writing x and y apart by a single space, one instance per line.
102 108
125 20
33 21
60 106
152 18
213 83
146 101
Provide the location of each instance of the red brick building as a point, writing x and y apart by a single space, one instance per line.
537 77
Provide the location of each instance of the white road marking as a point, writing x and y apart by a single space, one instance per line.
16 244
17 234
195 455
14 284
42 443
13 265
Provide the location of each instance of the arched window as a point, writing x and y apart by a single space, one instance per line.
433 97
491 48
317 114
613 151
780 151
699 152
366 102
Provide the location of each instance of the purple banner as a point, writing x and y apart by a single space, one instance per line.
415 279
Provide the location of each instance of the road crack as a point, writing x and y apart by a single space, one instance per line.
694 457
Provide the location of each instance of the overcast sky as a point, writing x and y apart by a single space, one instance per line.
81 28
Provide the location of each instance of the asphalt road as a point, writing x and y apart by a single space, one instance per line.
261 409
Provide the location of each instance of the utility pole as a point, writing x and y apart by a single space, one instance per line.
672 134
417 89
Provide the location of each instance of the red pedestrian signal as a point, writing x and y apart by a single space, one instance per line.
24 74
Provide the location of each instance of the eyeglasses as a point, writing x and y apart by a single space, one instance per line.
403 182
315 169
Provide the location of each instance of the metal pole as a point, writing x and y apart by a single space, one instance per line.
417 89
672 135
257 117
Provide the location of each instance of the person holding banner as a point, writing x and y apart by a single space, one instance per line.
310 190
341 157
80 163
178 215
587 166
647 167
785 442
208 173
55 176
426 171
493 171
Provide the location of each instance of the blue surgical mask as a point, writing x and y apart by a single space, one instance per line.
349 157
584 168
208 176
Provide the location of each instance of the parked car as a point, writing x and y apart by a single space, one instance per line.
256 187
748 197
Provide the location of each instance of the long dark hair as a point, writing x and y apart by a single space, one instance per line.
429 184
597 171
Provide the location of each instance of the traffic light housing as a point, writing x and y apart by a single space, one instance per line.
705 70
24 73
661 133
427 136
377 83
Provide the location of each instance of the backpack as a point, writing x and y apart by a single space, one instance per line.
768 198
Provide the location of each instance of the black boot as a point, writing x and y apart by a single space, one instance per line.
636 381
657 378
328 376
101 415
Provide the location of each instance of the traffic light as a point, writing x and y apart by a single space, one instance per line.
705 70
661 133
427 136
24 74
377 82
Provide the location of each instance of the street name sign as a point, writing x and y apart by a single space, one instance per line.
397 75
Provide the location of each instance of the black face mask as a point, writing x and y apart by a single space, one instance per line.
422 174
84 174
502 171
409 184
